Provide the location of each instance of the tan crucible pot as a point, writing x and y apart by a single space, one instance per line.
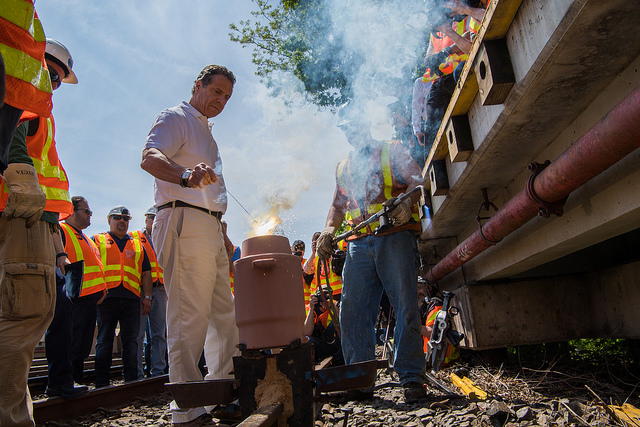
269 296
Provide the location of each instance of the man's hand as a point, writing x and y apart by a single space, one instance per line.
145 305
202 176
401 213
325 244
61 263
313 300
26 199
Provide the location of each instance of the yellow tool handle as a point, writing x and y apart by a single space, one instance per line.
468 387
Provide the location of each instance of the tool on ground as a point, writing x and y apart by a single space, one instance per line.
468 387
442 334
382 216
440 385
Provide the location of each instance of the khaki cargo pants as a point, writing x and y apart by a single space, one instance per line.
27 302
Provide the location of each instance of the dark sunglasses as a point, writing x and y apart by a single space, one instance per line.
87 210
119 217
55 77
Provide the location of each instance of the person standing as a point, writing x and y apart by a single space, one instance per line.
373 176
127 273
190 195
78 247
154 324
33 197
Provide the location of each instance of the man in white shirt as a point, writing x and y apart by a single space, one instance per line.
190 198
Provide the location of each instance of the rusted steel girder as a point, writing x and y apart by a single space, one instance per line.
616 135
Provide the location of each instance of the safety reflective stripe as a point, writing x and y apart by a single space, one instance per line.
334 280
92 277
18 63
129 276
386 170
156 270
42 165
19 12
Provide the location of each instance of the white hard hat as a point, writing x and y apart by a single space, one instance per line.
62 57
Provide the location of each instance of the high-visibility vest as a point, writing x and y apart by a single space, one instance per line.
22 45
156 270
439 42
51 175
80 248
121 267
334 280
382 155
452 353
305 288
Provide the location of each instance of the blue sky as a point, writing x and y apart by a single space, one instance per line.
135 58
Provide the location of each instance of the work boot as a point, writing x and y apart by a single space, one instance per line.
414 392
67 391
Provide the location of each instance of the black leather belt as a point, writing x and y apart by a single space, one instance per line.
180 204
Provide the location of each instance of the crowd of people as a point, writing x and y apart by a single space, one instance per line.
169 285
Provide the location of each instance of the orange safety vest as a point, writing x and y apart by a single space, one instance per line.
22 45
306 288
121 267
381 159
51 175
453 353
439 42
80 248
156 270
334 280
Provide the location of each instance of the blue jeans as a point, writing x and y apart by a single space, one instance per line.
375 264
154 326
110 312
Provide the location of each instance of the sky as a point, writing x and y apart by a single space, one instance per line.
135 58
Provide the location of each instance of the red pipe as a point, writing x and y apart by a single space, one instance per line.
607 142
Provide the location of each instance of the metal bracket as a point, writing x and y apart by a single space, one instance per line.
486 204
545 208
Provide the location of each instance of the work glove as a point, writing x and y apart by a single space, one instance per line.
401 213
26 199
324 244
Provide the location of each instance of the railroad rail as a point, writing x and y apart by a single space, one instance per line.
58 408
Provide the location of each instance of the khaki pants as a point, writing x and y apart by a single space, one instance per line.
200 307
27 302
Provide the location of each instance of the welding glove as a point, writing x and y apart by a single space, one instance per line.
26 199
401 213
324 244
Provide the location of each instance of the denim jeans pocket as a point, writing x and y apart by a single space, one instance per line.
26 290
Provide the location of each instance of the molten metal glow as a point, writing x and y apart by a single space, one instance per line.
265 226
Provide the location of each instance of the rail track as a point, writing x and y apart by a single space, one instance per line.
58 408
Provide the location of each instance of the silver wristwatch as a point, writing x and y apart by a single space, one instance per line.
184 178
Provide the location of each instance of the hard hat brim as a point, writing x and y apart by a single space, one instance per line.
70 78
